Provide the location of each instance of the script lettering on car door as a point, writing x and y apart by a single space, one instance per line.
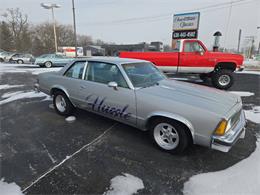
99 105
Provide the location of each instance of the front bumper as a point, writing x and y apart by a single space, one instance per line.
242 67
225 142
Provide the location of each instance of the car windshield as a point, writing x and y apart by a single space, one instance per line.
143 74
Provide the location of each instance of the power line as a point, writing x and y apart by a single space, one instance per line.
167 15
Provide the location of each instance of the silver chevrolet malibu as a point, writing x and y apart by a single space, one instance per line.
136 93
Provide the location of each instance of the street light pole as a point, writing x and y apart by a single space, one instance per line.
54 30
258 51
74 25
52 6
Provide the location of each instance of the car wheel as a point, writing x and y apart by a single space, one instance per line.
1 60
169 135
223 79
20 61
62 104
48 64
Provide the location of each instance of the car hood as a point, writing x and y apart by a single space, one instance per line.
213 100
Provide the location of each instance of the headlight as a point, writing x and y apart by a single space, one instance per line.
221 128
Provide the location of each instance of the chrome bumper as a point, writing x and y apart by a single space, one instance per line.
225 142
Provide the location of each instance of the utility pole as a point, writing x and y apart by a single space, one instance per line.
239 40
258 51
227 26
74 25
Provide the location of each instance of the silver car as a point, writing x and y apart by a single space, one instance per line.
136 93
22 58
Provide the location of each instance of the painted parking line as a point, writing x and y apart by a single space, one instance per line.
95 141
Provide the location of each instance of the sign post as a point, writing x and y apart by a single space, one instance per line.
185 26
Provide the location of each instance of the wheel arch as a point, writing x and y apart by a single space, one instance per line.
177 118
230 65
58 88
62 89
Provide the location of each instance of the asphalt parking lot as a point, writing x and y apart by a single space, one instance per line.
44 154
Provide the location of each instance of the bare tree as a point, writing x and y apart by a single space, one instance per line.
6 39
19 26
84 40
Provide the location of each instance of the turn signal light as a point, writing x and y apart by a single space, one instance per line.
221 129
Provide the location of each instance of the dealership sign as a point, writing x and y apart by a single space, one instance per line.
185 26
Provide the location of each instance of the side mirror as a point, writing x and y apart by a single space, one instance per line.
113 85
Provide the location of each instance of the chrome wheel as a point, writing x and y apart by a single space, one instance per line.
48 64
166 136
60 103
224 80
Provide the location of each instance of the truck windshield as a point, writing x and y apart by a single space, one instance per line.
143 74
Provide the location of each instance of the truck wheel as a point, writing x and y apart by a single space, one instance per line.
223 79
62 104
169 135
48 64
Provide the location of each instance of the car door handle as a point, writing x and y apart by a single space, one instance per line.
82 87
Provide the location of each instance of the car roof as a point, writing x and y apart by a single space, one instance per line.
113 60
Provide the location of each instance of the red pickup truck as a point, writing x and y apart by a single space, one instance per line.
191 56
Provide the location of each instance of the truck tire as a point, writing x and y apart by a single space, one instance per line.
169 135
62 104
223 79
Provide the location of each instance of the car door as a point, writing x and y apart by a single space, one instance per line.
72 80
118 102
194 58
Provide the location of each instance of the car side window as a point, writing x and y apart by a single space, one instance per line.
76 70
192 47
104 73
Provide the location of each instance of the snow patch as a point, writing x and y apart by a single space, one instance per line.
9 94
249 72
242 178
70 119
9 188
125 184
22 95
51 106
9 86
181 79
34 69
253 115
242 93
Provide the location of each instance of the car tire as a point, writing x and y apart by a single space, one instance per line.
1 60
169 135
48 64
19 61
223 79
62 104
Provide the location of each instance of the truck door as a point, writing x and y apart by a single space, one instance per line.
194 58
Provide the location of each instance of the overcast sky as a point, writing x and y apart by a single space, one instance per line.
99 18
